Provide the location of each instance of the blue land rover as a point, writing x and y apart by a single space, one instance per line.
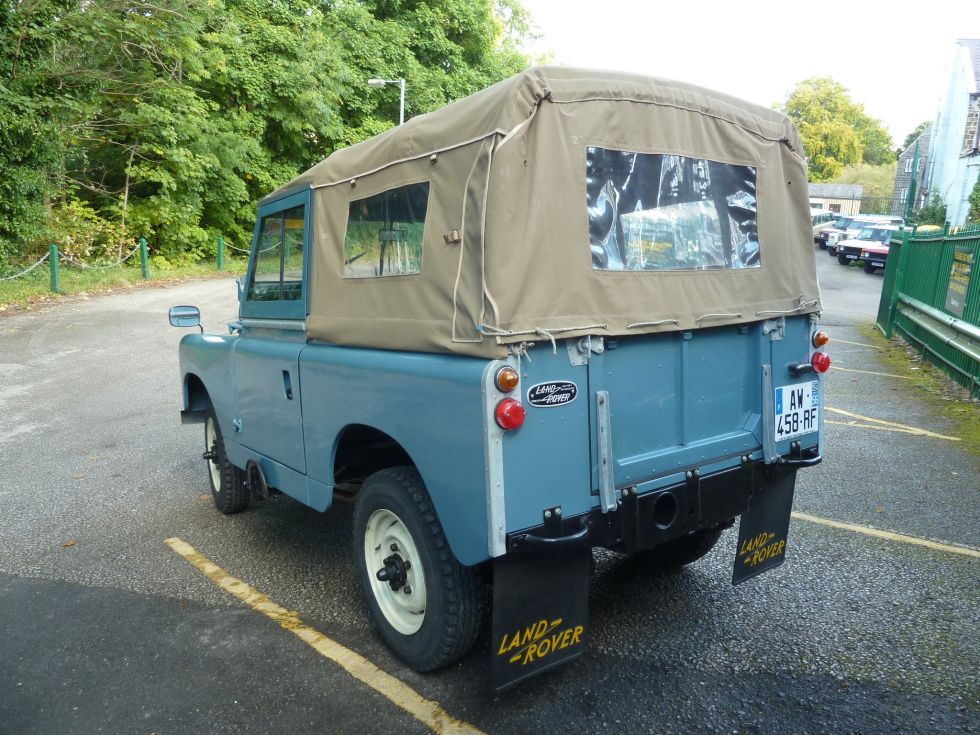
575 310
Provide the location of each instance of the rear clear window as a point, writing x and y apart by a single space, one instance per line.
385 233
657 212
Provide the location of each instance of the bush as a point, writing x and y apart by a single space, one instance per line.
934 212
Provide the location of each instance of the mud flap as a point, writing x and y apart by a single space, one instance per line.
540 612
763 529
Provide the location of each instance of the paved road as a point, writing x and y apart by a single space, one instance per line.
104 629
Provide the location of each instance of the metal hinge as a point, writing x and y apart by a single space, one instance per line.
580 349
775 328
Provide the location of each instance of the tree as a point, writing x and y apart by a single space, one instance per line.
878 181
121 118
910 138
973 215
836 131
934 212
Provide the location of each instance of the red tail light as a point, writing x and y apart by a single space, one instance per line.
820 362
509 414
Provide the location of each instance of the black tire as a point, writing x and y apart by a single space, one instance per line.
682 551
842 259
868 268
452 604
227 482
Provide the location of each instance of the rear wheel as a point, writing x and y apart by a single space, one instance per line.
682 551
426 606
227 481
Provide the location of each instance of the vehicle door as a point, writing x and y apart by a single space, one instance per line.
269 417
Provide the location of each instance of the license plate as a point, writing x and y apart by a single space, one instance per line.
797 409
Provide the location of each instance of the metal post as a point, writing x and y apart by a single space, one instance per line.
221 253
144 259
53 262
401 101
910 199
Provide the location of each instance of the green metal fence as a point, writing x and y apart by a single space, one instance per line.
931 297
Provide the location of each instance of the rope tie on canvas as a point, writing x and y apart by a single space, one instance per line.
548 334
637 325
799 307
705 317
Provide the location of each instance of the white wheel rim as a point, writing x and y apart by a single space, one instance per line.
211 441
404 608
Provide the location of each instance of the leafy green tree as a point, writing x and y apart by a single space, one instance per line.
878 181
836 131
934 212
910 138
973 214
121 118
31 143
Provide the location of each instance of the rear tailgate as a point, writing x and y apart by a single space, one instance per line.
694 400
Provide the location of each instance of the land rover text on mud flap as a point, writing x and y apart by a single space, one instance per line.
574 310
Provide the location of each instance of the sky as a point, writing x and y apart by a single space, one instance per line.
894 58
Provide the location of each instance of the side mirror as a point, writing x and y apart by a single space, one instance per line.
185 316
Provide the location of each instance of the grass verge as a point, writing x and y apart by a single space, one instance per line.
948 399
35 288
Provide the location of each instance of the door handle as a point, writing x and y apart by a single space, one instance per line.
287 385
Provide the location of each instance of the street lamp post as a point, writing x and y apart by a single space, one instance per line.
401 100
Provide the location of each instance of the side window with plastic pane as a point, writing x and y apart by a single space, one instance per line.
292 264
278 271
385 233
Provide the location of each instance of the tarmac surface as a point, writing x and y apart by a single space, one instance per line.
104 629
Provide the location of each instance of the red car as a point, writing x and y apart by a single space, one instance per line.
874 256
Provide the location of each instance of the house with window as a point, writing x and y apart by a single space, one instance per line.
903 177
954 152
837 198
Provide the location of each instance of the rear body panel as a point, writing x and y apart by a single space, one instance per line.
677 402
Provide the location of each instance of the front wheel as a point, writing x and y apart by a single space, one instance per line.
842 259
868 268
228 488
682 551
426 606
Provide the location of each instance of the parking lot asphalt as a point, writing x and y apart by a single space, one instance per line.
104 629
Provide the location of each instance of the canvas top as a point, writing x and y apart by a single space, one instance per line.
558 203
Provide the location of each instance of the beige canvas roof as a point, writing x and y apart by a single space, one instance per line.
507 169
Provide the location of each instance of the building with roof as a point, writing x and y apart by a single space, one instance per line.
954 154
838 198
903 177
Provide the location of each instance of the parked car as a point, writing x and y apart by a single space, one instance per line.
874 255
858 223
819 219
503 374
850 250
824 234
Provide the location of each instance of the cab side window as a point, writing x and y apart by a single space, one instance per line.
278 271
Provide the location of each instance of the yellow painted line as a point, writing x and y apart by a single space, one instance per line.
889 535
835 340
860 425
871 372
424 710
896 426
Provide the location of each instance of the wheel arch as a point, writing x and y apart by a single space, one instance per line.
360 450
197 400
